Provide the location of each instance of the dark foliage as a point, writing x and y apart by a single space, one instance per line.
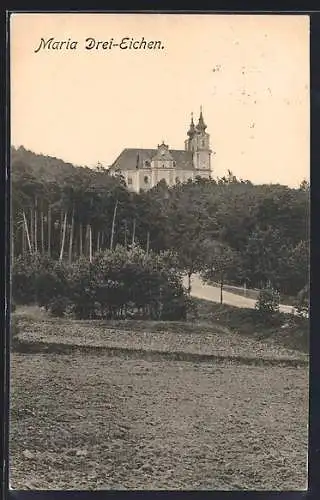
68 212
118 284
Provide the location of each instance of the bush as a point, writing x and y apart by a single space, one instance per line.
268 301
24 280
192 306
52 285
302 302
117 284
58 306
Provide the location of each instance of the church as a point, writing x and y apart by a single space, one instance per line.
143 169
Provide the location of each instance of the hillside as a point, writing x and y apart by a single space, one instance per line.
42 166
257 234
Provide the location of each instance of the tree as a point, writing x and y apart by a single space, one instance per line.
265 226
304 185
296 275
220 262
265 258
189 222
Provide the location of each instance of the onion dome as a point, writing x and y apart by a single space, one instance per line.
192 128
201 127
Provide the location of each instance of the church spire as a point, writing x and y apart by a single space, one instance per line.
192 128
201 127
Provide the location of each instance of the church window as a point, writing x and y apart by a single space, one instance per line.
162 165
129 180
174 163
203 144
177 180
146 179
147 163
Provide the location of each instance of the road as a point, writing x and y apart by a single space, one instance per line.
201 290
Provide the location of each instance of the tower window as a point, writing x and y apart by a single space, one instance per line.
174 163
203 144
129 180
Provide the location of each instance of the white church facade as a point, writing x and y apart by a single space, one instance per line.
143 169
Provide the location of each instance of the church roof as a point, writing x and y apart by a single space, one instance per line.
163 153
133 158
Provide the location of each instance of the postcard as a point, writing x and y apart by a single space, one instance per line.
159 251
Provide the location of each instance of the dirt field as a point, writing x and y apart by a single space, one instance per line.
207 338
91 421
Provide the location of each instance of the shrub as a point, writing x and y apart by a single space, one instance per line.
192 306
117 284
58 306
51 282
24 281
268 301
302 302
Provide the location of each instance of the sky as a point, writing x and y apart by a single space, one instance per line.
250 74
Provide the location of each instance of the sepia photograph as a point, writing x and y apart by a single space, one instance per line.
159 251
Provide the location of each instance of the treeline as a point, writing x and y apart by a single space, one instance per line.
228 229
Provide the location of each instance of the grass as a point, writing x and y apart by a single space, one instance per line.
95 420
286 330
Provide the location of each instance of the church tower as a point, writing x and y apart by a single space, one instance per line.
199 144
189 143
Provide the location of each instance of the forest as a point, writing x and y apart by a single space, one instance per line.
228 229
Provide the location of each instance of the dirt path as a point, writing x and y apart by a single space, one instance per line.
201 290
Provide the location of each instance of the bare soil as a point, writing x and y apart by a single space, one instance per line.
94 422
202 339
